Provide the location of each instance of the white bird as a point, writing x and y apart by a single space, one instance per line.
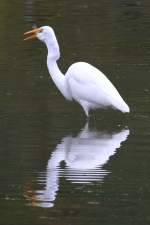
82 82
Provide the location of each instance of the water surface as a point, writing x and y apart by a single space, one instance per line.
54 167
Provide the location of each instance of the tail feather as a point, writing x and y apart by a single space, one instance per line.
123 107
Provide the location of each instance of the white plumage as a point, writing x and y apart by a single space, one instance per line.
91 88
82 82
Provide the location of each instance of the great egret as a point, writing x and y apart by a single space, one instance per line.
82 82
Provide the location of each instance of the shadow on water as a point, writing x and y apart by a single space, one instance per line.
79 159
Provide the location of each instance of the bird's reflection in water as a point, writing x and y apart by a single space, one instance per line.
84 157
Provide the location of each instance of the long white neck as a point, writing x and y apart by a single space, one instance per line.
57 76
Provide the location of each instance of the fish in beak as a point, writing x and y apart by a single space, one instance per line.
32 34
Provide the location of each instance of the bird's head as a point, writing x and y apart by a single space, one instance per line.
45 34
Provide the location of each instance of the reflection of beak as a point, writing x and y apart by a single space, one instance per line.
32 34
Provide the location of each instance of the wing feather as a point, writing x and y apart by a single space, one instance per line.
90 84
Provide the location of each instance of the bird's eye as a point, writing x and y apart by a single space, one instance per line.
40 30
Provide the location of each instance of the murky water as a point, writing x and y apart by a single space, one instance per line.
54 167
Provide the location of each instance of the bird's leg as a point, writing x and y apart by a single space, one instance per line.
86 111
88 118
85 107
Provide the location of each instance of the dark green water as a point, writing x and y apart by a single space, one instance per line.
54 168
